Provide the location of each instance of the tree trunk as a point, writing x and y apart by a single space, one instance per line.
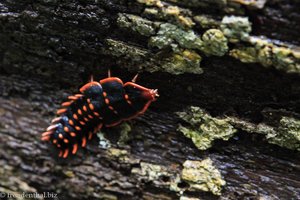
194 57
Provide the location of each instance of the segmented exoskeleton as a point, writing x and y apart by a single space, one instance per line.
104 103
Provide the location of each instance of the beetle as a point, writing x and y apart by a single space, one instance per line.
104 103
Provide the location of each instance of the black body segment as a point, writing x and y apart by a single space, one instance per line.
76 125
112 93
118 104
137 97
92 90
107 103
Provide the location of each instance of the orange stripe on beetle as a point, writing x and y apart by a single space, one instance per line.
73 134
75 116
72 97
75 147
90 135
66 104
91 106
61 111
66 129
71 122
84 108
96 114
86 119
83 141
66 153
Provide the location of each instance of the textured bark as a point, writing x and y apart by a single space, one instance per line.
48 50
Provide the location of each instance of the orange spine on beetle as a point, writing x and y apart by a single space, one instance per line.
104 103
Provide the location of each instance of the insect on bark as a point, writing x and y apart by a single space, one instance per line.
104 103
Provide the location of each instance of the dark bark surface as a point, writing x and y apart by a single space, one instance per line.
48 50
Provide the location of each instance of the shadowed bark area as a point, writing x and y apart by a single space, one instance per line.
48 50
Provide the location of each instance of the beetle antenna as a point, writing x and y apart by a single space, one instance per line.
109 73
91 78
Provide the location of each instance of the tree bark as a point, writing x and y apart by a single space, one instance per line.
49 49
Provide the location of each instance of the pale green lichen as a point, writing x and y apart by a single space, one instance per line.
245 54
204 128
151 11
206 21
169 30
181 61
151 171
171 13
175 35
128 52
183 44
286 134
214 43
258 50
180 18
296 52
137 24
122 156
202 175
174 184
117 152
184 61
268 54
283 59
125 129
213 40
161 42
236 28
69 173
103 142
157 3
